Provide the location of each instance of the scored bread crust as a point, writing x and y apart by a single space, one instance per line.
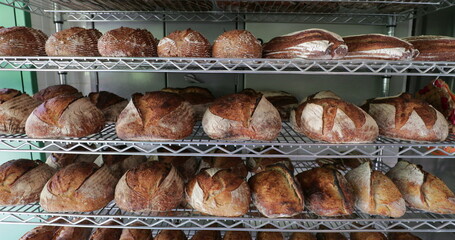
433 48
375 193
218 192
75 41
79 187
234 163
275 193
170 235
54 91
40 233
15 107
242 116
156 116
422 190
72 233
127 42
237 44
22 180
22 41
152 186
186 43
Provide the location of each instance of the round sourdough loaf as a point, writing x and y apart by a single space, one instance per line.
15 107
74 42
237 44
56 90
22 41
109 103
186 43
127 42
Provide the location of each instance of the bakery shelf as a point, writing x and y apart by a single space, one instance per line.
288 143
220 65
188 219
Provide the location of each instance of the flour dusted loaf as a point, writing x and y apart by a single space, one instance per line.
242 116
284 102
234 163
433 48
22 180
379 46
325 118
404 117
109 103
237 235
306 44
421 189
78 187
127 42
156 116
15 107
55 91
150 187
218 192
237 44
64 116
72 42
326 191
170 235
275 193
199 98
22 41
186 43
375 193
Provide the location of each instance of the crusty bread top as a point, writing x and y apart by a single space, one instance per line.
104 99
68 35
70 178
8 94
135 36
405 104
51 110
54 91
367 42
330 106
222 180
152 106
236 107
12 170
279 98
148 177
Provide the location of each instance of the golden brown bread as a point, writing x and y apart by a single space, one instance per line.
234 163
375 193
402 236
269 236
72 233
186 43
422 190
75 41
15 107
237 235
367 236
334 121
306 44
54 91
407 118
302 236
127 42
106 234
61 160
257 165
326 191
237 44
275 193
218 192
206 235
156 116
78 187
170 235
284 102
22 180
136 234
152 186
64 116
187 166
109 103
433 48
199 98
242 116
22 41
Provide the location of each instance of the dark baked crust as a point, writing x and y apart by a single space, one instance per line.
75 41
206 235
194 95
136 234
433 48
8 94
104 99
233 163
256 165
127 42
51 110
186 43
170 235
106 234
237 107
54 91
237 235
62 184
237 44
22 41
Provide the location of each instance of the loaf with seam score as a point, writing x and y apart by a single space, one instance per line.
74 42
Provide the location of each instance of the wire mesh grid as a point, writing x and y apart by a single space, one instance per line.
185 218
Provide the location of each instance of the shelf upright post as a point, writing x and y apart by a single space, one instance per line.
58 22
391 25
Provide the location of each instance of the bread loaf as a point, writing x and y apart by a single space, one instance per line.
375 193
218 192
237 44
22 41
306 44
64 116
330 236
186 43
72 233
284 102
15 107
40 233
152 186
79 187
404 117
155 116
333 120
422 190
187 166
54 91
109 103
73 42
22 180
136 234
237 235
61 160
269 236
199 98
171 235
379 46
206 235
402 236
275 193
257 165
127 42
367 236
326 191
302 236
433 48
242 116
106 234
233 163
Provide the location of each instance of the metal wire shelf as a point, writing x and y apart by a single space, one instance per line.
288 143
221 65
189 219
